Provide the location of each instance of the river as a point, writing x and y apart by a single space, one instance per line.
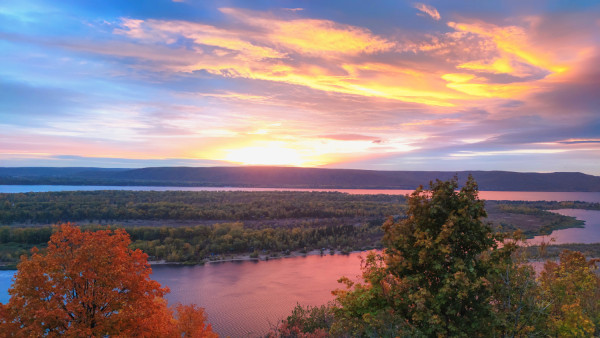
486 195
590 233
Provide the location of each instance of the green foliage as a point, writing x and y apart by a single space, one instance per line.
196 243
51 207
368 309
309 321
517 299
433 278
436 255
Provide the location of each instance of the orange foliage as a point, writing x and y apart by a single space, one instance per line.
88 284
190 322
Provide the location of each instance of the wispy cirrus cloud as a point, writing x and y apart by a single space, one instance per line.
429 10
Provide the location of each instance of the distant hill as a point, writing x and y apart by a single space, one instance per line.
291 177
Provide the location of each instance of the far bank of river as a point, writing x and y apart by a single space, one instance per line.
593 197
246 298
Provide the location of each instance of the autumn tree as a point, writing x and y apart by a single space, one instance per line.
572 289
90 284
191 322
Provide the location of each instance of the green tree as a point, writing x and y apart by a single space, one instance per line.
519 305
433 278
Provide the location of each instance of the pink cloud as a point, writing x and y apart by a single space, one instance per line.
429 10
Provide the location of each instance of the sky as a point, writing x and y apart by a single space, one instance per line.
379 85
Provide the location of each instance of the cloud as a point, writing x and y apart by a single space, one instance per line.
579 141
511 42
312 36
429 10
48 160
350 137
319 54
343 85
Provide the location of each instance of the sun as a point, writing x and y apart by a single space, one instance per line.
268 155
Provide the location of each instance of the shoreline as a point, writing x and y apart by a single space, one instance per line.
261 257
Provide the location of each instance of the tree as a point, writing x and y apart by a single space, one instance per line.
433 277
305 322
87 284
517 298
573 289
191 322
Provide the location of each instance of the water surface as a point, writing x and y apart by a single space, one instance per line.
248 298
487 195
590 233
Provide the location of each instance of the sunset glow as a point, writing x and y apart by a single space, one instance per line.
268 155
397 86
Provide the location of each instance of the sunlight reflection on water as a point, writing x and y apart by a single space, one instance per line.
247 298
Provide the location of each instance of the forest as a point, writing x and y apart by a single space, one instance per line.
194 227
112 206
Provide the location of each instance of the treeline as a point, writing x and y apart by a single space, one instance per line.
199 243
52 207
91 181
195 244
528 206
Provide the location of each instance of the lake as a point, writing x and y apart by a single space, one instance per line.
487 195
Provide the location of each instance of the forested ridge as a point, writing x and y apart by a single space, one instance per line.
293 177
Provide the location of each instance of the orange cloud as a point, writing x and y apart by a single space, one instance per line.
311 36
469 84
429 10
340 58
269 52
511 42
498 66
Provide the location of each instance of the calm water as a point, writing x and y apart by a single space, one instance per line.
247 298
590 233
487 195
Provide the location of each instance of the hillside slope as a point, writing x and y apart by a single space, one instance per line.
292 177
